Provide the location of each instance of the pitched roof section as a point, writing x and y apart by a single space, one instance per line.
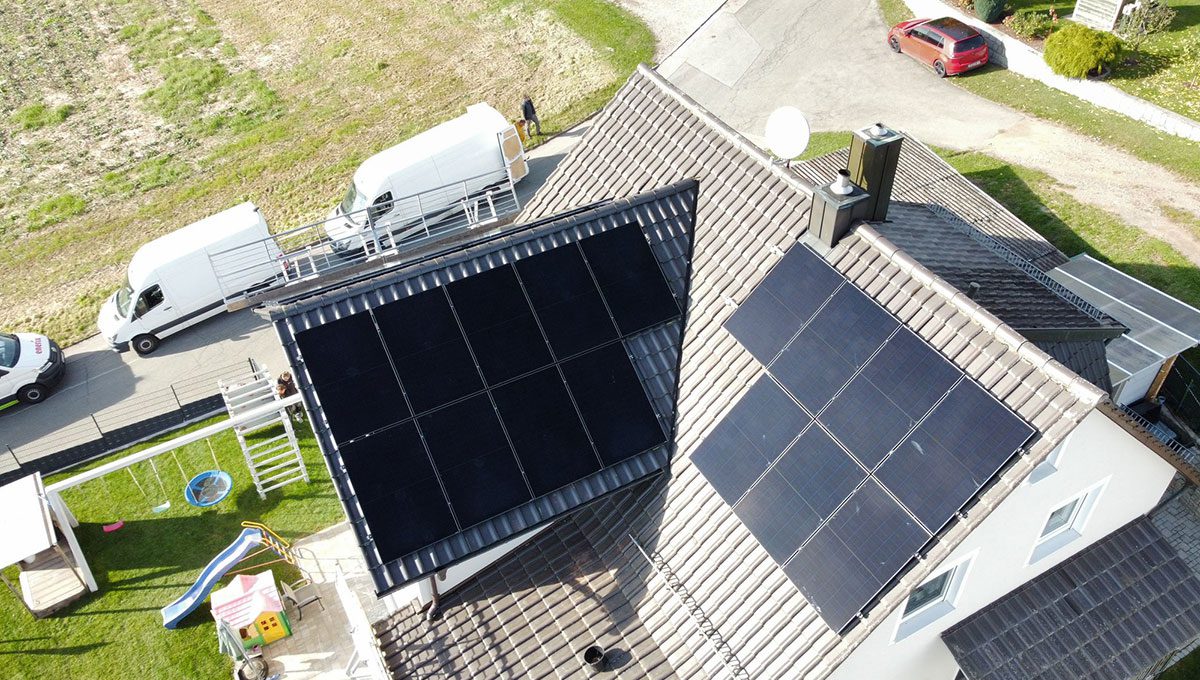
532 615
1039 309
923 177
665 216
1108 613
748 212
1087 358
1159 325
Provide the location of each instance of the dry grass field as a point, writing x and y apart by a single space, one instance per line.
121 120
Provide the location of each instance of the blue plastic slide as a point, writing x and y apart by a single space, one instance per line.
247 541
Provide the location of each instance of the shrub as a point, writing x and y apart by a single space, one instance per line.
1031 23
1147 18
1076 51
989 10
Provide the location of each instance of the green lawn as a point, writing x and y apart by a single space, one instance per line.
118 632
1032 97
1166 72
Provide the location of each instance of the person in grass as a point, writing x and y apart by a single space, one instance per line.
529 113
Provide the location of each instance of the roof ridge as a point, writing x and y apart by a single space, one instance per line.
1078 387
750 148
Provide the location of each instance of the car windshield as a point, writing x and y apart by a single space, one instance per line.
969 44
123 297
353 200
10 349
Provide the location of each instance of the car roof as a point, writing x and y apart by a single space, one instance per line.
952 28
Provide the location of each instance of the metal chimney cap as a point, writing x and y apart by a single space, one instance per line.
879 130
842 186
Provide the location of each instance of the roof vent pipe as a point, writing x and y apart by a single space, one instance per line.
842 186
972 290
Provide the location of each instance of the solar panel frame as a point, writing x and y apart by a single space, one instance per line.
566 301
629 278
618 428
495 316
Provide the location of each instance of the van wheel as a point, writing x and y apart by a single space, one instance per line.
145 344
940 69
32 394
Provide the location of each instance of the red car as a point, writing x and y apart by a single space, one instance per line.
947 45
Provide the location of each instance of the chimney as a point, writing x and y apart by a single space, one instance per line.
836 207
874 152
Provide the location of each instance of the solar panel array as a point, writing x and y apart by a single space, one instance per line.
459 403
859 443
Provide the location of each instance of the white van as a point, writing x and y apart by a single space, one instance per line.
171 285
480 148
30 364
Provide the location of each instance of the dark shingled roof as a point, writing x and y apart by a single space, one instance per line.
924 178
1088 358
1039 309
1107 613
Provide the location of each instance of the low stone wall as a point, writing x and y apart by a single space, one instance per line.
1020 58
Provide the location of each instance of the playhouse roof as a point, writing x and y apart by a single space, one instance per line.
240 602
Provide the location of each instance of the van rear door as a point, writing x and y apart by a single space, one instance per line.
514 154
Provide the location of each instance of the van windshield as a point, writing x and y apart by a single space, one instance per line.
353 200
123 298
10 350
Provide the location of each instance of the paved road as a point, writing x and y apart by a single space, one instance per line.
98 378
829 59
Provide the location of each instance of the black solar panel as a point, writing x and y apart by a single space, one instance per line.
428 349
354 381
744 443
923 437
519 379
545 430
613 403
496 317
797 285
850 559
566 300
629 278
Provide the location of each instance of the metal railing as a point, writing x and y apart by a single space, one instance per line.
317 249
1185 452
1181 392
129 422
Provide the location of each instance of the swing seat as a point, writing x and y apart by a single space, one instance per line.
161 507
208 488
109 528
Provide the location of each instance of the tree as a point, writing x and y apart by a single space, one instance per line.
1147 18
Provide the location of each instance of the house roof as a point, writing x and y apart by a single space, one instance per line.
665 216
1108 612
931 227
924 178
1159 325
749 212
246 596
535 612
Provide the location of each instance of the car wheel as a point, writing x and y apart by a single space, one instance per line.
895 43
940 69
145 344
32 394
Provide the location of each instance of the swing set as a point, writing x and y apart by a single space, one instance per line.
202 490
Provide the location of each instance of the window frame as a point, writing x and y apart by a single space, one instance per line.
162 297
956 574
1049 541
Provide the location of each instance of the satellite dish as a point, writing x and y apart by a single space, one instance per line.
787 132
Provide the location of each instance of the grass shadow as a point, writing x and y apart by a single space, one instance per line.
58 651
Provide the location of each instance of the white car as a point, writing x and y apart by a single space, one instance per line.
30 364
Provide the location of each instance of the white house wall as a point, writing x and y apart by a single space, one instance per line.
1098 451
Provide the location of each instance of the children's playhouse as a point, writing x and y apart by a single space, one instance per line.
252 606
